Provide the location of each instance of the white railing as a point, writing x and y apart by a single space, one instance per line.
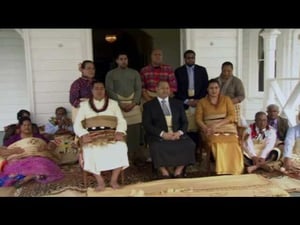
287 93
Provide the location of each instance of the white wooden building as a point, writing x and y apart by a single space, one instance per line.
37 66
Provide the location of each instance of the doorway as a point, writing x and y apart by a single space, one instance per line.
107 43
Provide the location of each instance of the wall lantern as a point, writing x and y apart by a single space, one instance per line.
110 38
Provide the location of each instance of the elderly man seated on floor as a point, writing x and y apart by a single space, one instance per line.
280 124
259 147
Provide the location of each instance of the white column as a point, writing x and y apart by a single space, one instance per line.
269 36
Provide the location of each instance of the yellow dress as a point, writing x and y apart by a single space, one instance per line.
224 143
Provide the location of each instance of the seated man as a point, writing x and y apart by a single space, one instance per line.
291 153
165 123
13 129
60 128
60 124
101 127
259 147
279 123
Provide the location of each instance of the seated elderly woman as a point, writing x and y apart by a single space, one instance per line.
215 115
28 156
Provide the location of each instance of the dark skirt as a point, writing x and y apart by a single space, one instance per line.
173 153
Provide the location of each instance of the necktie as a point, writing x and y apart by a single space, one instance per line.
165 108
191 77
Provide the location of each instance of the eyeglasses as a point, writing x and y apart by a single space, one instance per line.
190 57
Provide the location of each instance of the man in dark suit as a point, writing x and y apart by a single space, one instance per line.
192 83
165 123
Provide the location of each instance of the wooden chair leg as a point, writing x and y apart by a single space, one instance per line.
122 177
84 179
208 152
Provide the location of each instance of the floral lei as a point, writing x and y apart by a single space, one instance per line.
254 134
53 120
92 105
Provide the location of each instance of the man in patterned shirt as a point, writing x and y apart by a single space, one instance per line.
155 72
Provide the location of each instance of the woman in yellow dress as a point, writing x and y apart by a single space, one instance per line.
215 116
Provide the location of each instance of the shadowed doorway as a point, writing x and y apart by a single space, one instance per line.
107 43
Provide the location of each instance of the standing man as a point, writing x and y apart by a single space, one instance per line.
155 72
192 81
123 84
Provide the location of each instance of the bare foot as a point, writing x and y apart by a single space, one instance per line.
100 183
251 169
114 185
100 188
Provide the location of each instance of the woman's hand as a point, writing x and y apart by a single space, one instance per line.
5 152
212 128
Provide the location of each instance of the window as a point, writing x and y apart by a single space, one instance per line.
261 61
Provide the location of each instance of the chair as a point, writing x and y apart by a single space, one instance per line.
242 136
107 134
86 173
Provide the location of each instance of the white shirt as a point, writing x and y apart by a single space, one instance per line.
270 141
166 102
85 112
293 133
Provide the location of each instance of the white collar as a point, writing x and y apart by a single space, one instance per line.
160 99
263 130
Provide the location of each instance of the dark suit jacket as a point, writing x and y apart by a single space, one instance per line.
154 121
282 127
200 83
